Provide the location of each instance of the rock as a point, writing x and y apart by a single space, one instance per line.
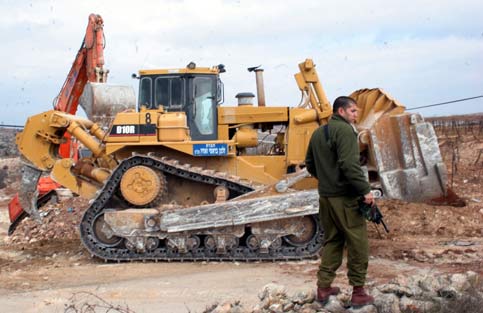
460 282
473 278
401 280
306 308
257 309
222 308
334 305
418 293
430 285
287 307
276 308
364 309
238 308
408 305
272 291
266 302
317 306
344 296
386 303
227 307
447 293
303 297
396 289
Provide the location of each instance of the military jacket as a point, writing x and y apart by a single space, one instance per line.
335 162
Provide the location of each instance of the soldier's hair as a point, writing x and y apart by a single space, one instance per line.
342 102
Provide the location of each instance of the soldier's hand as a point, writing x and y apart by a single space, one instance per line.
369 198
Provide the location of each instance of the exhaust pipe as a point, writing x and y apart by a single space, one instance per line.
260 88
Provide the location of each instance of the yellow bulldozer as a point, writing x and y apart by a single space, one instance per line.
185 178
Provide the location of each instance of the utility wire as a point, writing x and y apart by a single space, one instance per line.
11 126
424 106
436 104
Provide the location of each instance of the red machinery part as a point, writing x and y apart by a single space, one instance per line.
14 209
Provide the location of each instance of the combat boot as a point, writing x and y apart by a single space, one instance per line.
360 297
323 294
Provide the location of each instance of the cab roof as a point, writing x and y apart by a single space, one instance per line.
214 70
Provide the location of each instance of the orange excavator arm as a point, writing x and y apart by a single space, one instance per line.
88 66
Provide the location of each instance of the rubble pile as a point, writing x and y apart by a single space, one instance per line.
59 221
418 293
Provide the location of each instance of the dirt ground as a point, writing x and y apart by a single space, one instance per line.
42 267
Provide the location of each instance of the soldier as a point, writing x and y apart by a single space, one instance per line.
333 158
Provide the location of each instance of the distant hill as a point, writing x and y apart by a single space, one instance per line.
8 148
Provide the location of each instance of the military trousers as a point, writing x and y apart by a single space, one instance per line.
343 226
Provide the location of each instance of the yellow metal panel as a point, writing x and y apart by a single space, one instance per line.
249 114
126 118
36 140
264 169
374 104
223 132
147 139
61 173
306 183
298 137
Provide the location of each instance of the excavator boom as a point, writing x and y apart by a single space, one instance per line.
88 66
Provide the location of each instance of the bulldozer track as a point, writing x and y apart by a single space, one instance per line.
119 252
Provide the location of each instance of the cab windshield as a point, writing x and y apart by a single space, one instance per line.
203 105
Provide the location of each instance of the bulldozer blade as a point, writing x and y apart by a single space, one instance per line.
102 101
406 153
28 191
17 214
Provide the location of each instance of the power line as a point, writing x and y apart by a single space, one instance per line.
421 107
11 126
436 104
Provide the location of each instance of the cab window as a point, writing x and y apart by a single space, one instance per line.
169 93
145 92
204 115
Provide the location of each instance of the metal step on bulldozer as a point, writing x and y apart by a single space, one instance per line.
184 178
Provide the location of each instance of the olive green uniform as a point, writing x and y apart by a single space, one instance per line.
341 181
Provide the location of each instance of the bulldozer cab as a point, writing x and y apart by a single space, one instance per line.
195 91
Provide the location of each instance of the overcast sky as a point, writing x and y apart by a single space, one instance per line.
420 52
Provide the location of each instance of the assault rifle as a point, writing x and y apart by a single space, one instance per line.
372 213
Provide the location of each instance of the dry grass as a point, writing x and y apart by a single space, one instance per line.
88 302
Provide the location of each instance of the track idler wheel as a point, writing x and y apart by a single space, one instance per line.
104 234
143 186
307 231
